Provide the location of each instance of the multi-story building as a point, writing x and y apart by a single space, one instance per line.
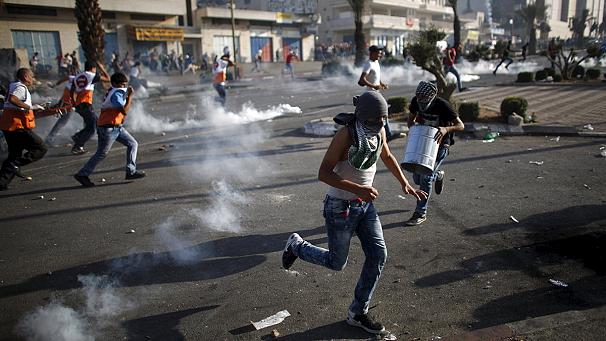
49 27
272 26
386 22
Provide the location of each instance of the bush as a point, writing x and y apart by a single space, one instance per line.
525 77
469 111
593 74
550 72
514 104
557 78
578 72
392 61
540 75
397 105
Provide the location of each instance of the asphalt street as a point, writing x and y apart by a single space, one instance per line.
192 252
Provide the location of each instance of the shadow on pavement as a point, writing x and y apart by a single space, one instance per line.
162 326
208 260
557 238
336 330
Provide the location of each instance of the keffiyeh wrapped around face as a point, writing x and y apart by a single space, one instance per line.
425 94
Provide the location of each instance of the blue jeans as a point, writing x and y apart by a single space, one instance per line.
344 218
453 70
221 91
426 181
61 122
107 136
90 122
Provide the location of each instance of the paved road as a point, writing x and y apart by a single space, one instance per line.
212 216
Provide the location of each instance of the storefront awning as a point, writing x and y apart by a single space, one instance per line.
142 33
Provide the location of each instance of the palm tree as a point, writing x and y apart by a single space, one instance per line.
457 22
358 9
578 27
531 14
88 15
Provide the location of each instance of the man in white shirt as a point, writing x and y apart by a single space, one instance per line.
371 79
220 76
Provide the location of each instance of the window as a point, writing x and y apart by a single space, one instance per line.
148 17
108 15
46 43
30 10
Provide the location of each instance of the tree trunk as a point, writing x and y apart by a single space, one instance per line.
532 38
88 15
457 28
360 43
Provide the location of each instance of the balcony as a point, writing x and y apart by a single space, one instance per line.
396 3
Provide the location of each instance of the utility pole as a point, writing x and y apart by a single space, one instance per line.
233 37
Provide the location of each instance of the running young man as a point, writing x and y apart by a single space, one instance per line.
220 76
349 168
84 87
428 109
109 129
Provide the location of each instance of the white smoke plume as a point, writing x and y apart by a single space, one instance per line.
57 322
180 250
223 214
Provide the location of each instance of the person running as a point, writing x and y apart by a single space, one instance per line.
524 50
83 87
428 109
292 56
17 123
110 128
371 78
65 102
220 76
504 57
349 168
258 60
449 62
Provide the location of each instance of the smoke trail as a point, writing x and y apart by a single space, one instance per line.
223 214
57 322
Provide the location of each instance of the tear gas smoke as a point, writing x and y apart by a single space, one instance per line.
223 214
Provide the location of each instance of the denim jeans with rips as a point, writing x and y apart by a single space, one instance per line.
425 182
344 218
107 136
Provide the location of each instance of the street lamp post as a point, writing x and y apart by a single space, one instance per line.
511 23
233 37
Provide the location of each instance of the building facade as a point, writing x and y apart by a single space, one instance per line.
391 23
49 27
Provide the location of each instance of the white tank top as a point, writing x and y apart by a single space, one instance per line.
25 98
348 172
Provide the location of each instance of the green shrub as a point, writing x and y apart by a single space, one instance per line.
525 77
540 75
593 73
514 104
557 78
550 72
397 105
578 72
469 111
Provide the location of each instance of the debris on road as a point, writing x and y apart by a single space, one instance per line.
588 127
163 134
103 180
514 219
586 186
538 163
558 283
556 139
390 337
271 320
131 231
275 333
40 197
509 161
28 178
52 199
401 197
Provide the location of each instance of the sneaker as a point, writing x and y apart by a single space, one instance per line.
395 136
439 182
135 175
78 150
84 180
365 322
288 256
416 219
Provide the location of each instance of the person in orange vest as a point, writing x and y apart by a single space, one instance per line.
83 87
110 128
17 123
66 103
220 76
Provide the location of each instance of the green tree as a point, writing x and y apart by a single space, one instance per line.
531 14
567 61
456 23
88 16
358 9
578 27
426 56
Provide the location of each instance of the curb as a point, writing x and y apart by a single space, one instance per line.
532 130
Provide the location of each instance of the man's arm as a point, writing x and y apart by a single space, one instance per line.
14 100
392 164
103 75
326 174
129 98
443 131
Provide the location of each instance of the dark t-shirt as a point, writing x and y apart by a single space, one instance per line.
439 114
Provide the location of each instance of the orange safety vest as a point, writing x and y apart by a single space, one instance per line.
111 115
13 119
84 87
67 98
